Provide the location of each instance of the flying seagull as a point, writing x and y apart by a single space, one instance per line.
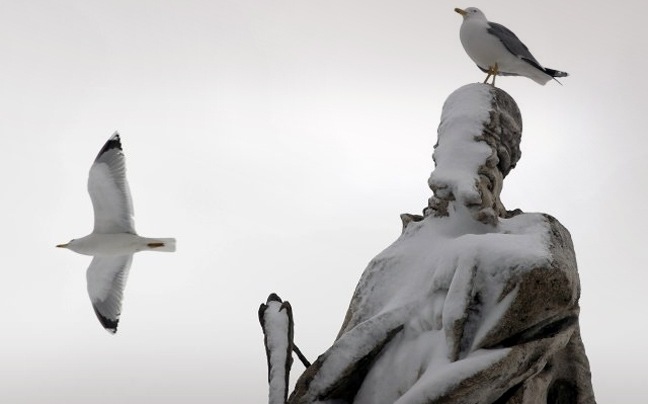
113 241
498 51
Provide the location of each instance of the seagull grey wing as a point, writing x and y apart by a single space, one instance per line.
512 43
109 191
106 282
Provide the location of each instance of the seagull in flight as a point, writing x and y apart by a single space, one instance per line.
113 241
497 50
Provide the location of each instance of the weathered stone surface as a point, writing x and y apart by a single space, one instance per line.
503 133
495 283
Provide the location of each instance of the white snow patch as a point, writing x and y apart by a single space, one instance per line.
356 344
276 326
458 155
429 279
430 274
439 379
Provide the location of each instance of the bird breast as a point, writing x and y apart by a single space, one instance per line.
97 244
482 49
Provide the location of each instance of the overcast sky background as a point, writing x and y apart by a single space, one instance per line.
278 141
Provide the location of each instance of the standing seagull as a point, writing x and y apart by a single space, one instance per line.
113 240
498 51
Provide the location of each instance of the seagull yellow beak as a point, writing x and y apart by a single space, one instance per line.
460 11
62 246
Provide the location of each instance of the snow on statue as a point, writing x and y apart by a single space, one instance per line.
472 303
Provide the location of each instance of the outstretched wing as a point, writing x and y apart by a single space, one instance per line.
109 191
106 282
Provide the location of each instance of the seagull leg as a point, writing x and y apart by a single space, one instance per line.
490 69
495 70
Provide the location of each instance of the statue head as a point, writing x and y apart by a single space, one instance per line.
478 144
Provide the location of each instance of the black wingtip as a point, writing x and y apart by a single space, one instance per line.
108 324
113 143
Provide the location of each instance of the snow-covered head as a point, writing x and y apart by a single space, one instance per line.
478 145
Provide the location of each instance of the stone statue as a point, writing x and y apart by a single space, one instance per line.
472 303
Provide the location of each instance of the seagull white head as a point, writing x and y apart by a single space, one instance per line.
471 12
66 245
72 245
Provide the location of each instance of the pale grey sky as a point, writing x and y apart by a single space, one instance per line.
278 141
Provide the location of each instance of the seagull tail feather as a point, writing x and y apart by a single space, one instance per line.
555 73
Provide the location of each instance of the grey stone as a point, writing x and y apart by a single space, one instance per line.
536 335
